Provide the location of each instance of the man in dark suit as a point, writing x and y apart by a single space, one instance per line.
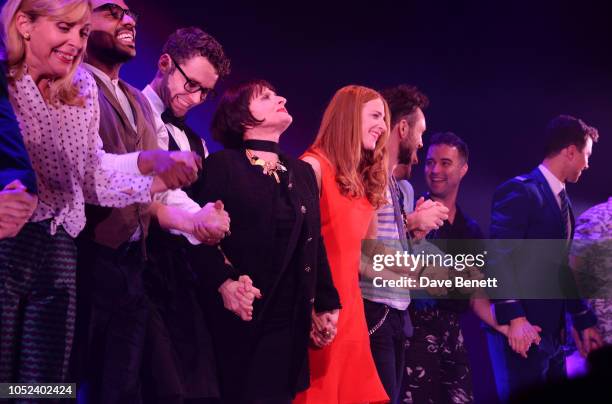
17 179
536 286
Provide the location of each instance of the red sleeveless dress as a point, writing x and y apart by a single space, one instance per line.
344 371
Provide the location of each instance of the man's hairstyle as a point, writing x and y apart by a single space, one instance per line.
233 116
185 43
452 140
404 100
565 130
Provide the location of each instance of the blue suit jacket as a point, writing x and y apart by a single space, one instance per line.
525 208
14 159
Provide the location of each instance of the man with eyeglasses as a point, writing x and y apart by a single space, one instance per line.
188 69
114 312
183 365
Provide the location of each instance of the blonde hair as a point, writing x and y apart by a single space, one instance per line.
359 172
62 90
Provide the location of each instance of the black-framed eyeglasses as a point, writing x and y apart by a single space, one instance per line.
192 86
117 12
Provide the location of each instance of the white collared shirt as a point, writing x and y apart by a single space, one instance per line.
176 198
179 136
556 186
554 183
113 84
127 163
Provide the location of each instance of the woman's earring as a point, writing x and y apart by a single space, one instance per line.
26 36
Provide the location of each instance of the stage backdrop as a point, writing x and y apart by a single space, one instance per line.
495 73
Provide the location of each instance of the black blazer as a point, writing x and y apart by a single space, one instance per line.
14 159
228 176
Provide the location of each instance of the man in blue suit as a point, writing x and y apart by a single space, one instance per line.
534 276
17 179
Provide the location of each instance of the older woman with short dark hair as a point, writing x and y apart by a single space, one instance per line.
275 241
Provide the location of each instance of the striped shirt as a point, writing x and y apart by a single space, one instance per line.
388 233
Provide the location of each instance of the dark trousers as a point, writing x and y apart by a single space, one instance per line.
119 311
179 364
37 304
513 373
387 343
437 368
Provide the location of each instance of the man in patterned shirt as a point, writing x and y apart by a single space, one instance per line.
591 260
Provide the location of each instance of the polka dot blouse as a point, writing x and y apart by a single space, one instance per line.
66 149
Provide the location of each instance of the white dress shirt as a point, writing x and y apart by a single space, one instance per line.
179 136
556 186
127 162
176 198
66 152
121 162
554 183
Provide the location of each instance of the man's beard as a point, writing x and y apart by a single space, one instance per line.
164 92
101 45
404 155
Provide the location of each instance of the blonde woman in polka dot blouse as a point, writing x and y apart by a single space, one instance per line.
56 104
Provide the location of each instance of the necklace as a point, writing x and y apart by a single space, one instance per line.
269 168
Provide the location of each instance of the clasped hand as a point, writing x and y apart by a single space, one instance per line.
428 215
174 169
521 334
324 327
211 223
16 207
238 296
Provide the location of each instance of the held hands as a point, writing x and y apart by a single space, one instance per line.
521 334
16 207
179 168
238 296
503 329
324 327
427 216
588 340
211 223
174 169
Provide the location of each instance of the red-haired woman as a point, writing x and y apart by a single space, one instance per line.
349 158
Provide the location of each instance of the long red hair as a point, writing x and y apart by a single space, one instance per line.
359 172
